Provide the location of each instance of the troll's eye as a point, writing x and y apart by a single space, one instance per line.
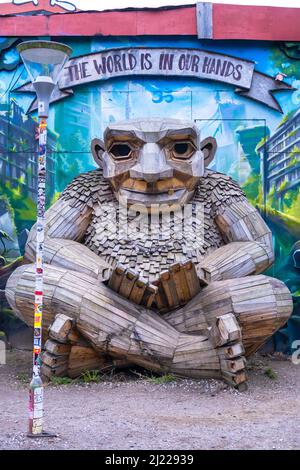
120 151
183 150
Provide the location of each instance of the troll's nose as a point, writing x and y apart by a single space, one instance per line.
151 165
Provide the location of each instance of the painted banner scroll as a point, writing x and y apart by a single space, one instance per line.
171 62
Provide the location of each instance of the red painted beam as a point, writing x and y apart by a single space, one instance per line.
181 21
229 22
256 22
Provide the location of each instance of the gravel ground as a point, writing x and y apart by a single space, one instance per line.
129 412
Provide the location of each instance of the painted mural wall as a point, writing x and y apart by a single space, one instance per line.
257 145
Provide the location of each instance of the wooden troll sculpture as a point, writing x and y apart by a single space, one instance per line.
122 287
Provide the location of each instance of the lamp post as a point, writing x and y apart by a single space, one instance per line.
44 61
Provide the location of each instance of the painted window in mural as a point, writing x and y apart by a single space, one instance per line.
257 145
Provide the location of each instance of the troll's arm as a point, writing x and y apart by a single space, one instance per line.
248 248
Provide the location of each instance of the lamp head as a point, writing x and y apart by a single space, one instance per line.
44 61
44 58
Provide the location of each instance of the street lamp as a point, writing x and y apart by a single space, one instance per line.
44 61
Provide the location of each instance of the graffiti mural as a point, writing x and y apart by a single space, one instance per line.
258 145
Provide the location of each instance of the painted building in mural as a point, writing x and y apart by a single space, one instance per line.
162 63
18 164
280 157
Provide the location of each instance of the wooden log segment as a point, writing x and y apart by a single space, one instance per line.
57 349
226 336
225 330
84 358
261 305
176 343
60 328
115 327
67 353
249 248
131 286
176 286
7 269
48 372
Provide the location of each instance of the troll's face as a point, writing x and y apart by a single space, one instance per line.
153 161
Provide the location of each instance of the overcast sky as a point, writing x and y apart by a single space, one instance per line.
111 4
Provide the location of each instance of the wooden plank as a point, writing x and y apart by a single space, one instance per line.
127 283
138 290
116 278
60 328
52 360
233 350
233 365
177 274
169 288
149 295
192 278
57 371
57 349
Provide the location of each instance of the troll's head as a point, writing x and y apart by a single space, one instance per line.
153 161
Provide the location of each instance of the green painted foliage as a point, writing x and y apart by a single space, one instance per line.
293 207
24 206
252 188
282 186
286 59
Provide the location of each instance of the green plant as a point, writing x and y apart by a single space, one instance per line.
285 118
261 143
4 200
290 134
294 206
90 376
55 197
293 162
4 236
253 188
23 377
282 185
61 381
295 151
24 206
272 199
288 199
271 373
163 379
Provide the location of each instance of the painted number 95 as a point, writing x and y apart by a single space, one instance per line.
182 459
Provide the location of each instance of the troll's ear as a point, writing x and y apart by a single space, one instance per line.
209 148
97 147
